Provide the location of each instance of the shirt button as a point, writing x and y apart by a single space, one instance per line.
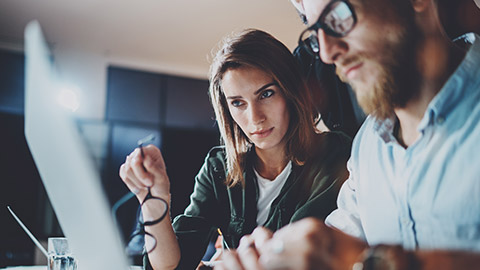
440 120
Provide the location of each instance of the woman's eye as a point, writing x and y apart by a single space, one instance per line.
267 93
236 103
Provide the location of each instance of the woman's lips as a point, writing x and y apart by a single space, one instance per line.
263 133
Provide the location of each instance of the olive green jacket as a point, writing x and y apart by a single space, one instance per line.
310 191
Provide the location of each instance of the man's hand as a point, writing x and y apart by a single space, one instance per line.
310 244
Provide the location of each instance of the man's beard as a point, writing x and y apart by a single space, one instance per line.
396 82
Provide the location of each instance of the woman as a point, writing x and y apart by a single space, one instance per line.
272 170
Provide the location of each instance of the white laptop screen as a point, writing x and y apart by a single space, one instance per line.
68 173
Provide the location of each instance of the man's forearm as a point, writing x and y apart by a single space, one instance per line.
446 260
395 257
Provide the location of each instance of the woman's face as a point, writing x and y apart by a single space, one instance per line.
258 106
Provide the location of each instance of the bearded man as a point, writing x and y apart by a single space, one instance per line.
412 200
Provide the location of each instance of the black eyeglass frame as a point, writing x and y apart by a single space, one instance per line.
319 24
156 221
142 224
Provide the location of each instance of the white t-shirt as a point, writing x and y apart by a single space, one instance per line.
268 190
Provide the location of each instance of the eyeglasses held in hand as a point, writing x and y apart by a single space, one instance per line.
337 20
141 241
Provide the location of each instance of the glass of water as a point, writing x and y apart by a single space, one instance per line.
59 255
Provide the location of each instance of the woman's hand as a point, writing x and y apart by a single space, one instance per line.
246 257
140 173
306 244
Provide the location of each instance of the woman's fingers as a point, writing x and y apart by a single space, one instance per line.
129 174
156 156
139 169
231 261
247 254
249 257
140 172
155 167
261 235
132 185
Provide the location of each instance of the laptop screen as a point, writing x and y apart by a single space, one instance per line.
68 173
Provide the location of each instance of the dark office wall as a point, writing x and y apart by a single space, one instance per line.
134 96
177 110
20 185
187 104
459 17
12 73
20 188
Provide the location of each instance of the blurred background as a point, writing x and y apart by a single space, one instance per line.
133 68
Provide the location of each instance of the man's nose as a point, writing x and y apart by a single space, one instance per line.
330 48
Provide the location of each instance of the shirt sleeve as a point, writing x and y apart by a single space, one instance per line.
195 226
346 217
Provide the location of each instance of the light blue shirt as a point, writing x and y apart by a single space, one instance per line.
428 195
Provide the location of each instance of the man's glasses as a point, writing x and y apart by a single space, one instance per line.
337 20
141 241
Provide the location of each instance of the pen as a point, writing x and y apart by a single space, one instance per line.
144 141
35 241
225 245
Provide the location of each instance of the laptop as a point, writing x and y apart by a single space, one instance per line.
70 177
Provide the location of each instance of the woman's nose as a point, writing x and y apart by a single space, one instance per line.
257 115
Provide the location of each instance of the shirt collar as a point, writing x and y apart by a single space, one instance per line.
385 128
442 104
457 86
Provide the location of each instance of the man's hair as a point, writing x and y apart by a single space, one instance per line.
257 49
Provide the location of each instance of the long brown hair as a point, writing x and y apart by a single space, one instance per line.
255 48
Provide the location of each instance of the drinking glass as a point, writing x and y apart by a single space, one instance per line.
59 255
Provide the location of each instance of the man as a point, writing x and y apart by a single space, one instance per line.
412 200
334 100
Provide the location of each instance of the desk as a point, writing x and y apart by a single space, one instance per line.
44 267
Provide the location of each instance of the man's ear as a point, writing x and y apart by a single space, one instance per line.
421 5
